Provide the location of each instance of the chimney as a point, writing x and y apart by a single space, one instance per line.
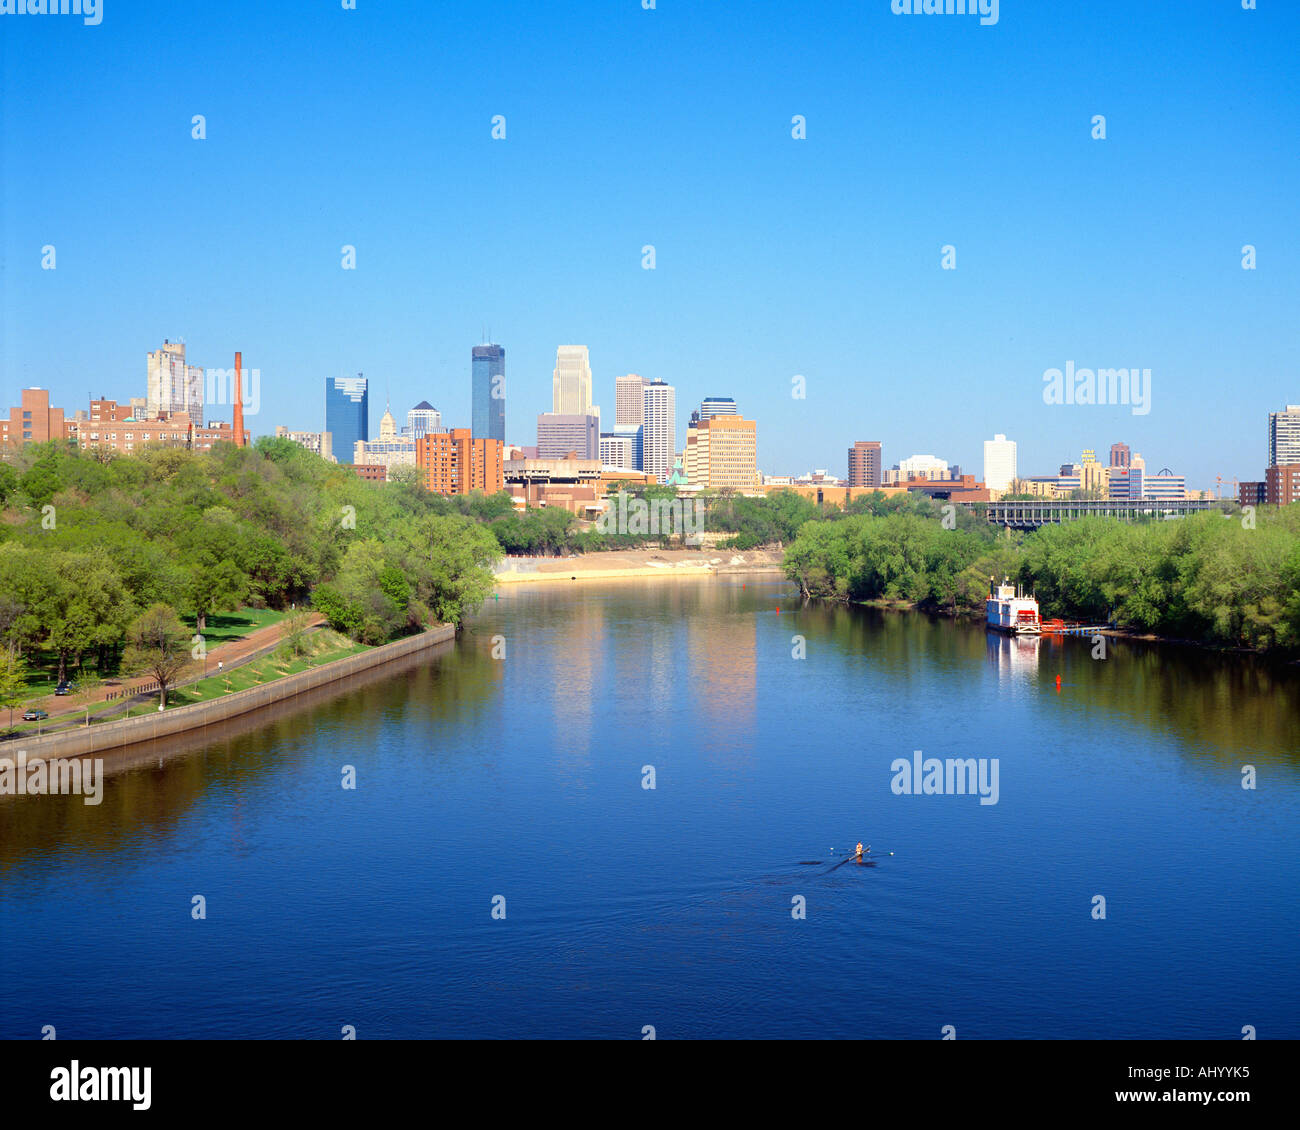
239 402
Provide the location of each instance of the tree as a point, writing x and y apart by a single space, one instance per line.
158 644
214 586
88 686
450 566
13 683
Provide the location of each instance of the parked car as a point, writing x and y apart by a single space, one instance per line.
66 688
34 715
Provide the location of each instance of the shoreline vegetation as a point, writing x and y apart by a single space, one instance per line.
113 566
1224 582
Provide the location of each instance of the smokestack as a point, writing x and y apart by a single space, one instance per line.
239 402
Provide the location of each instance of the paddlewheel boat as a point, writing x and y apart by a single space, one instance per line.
1011 610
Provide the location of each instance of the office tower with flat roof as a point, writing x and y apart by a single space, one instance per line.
560 433
347 412
659 434
1284 436
721 451
999 462
865 463
628 402
1120 456
173 385
424 417
621 448
717 406
488 391
571 382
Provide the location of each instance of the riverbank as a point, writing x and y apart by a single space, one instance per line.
1130 635
110 736
628 563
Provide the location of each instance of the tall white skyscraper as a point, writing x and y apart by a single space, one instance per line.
571 385
999 462
659 435
628 402
1284 436
173 385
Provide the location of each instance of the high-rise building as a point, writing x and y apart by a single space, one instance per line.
424 417
1282 484
628 402
321 443
571 382
865 464
658 439
621 448
1284 436
560 433
347 412
389 450
33 421
923 467
173 385
717 406
999 462
457 462
488 378
1119 455
721 451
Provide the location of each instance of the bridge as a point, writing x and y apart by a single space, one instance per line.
1029 514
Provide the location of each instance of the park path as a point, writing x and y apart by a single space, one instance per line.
230 654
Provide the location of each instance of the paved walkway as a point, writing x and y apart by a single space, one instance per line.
231 654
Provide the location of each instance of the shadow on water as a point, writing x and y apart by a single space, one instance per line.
150 787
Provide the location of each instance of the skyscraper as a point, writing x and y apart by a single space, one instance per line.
865 463
560 433
173 385
488 377
347 412
628 403
1284 436
571 382
999 462
1119 455
717 406
424 417
659 413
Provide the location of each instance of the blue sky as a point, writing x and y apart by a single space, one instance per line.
672 127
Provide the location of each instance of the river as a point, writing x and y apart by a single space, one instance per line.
501 868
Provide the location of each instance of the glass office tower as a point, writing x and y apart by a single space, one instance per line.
347 414
488 374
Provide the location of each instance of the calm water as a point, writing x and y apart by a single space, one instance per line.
626 907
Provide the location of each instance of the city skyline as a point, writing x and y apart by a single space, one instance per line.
764 267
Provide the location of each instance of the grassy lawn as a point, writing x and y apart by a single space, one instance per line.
226 626
326 646
255 674
42 666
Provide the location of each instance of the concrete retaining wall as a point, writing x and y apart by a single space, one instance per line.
150 727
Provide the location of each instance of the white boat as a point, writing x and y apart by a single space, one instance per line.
1010 610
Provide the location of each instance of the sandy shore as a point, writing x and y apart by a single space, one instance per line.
637 563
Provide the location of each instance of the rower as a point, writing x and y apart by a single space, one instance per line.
859 849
